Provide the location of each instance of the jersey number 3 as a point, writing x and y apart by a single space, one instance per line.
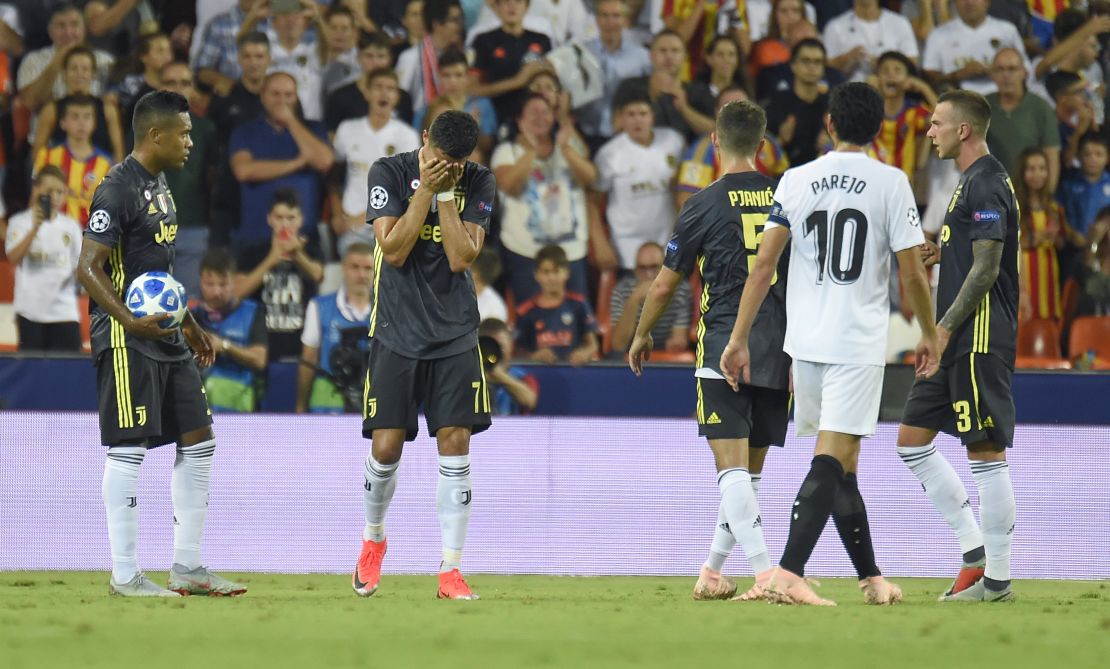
844 247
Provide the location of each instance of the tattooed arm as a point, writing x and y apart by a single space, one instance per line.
984 272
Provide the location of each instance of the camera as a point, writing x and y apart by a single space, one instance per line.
491 352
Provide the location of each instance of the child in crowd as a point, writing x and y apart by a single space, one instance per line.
556 325
515 390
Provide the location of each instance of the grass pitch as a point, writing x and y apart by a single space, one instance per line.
66 619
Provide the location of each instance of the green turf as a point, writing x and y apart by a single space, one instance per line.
66 619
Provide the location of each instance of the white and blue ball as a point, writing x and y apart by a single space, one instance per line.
157 293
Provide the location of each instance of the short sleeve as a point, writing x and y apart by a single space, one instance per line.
685 243
341 143
386 195
109 213
903 219
310 336
240 140
504 154
479 199
604 165
989 200
18 227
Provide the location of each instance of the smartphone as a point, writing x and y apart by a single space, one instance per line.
44 206
285 6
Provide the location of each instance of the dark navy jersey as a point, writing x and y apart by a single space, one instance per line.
718 231
983 207
133 213
422 309
562 328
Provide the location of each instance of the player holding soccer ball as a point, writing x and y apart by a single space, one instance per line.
430 210
150 391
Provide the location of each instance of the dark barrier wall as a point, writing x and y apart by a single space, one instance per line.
602 390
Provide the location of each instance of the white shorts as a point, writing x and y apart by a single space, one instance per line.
836 398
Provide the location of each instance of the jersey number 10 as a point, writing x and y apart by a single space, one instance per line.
818 225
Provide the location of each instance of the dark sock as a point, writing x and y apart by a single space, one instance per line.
850 515
811 511
975 555
995 586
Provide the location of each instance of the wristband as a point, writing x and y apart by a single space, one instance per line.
446 196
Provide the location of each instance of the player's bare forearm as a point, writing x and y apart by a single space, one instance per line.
625 327
915 284
461 240
91 276
659 297
397 236
987 255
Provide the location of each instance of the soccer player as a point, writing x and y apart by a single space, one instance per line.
844 214
970 397
150 390
719 230
430 209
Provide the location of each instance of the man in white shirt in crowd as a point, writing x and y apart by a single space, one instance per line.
294 50
636 169
360 142
960 51
620 57
44 245
39 79
856 38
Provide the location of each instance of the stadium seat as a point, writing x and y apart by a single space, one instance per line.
7 281
606 280
1091 333
1039 338
1026 362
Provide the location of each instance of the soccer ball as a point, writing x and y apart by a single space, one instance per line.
157 293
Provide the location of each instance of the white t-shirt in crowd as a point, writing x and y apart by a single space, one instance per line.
45 288
360 146
303 62
846 213
561 20
952 45
550 210
640 182
490 305
891 32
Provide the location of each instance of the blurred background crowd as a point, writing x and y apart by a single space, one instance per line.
594 117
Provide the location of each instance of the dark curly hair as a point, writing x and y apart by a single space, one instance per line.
455 133
856 111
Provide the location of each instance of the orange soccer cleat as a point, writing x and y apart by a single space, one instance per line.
452 586
368 571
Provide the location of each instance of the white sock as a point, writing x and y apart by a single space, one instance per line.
756 480
192 469
945 490
742 511
121 504
997 509
723 541
380 483
453 498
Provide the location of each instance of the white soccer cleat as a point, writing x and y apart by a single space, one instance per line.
980 593
200 581
139 586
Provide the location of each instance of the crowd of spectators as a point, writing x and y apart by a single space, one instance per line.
594 115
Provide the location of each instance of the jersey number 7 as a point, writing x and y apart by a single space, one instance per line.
818 225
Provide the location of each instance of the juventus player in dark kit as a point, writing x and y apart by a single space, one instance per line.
970 397
718 231
430 210
150 390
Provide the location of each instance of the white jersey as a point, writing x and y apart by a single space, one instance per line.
45 287
890 32
360 146
640 182
846 213
952 45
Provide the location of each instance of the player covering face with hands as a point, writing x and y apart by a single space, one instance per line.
843 214
150 389
430 210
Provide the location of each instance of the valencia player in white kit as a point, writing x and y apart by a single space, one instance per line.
843 215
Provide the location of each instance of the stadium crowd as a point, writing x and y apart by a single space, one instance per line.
594 117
